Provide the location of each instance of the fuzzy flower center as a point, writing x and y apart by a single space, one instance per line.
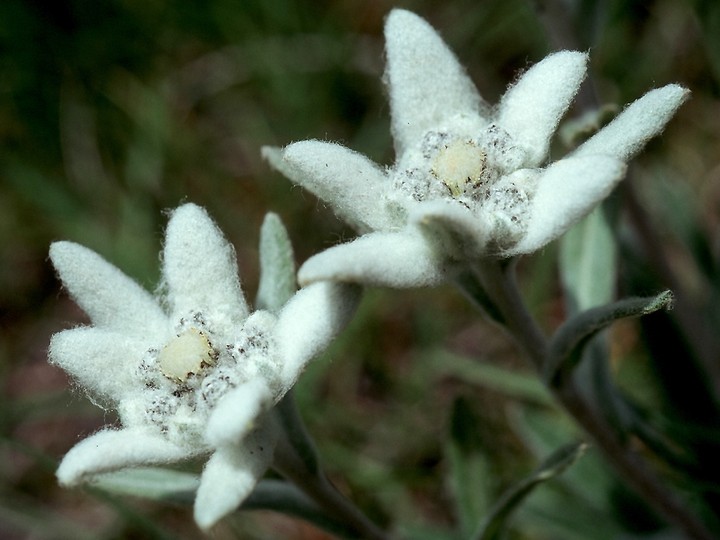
484 172
182 381
186 355
460 166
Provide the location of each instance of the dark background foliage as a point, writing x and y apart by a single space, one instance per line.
112 112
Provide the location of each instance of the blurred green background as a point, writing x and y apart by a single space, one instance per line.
114 111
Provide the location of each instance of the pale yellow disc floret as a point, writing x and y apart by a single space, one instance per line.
458 164
186 354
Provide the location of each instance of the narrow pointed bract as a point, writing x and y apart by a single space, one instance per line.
558 203
110 298
110 450
468 181
229 477
356 186
427 83
532 108
199 267
195 380
642 120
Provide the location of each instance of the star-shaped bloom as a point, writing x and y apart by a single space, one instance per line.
192 372
470 181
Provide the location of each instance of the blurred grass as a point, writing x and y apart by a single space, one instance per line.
112 112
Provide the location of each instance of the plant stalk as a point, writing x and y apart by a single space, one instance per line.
498 280
296 459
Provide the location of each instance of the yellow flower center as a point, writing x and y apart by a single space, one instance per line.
459 165
185 355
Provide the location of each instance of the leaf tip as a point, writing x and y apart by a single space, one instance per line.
664 300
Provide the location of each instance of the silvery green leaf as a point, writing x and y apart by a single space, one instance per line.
567 344
151 483
469 473
519 386
493 525
588 258
542 431
277 265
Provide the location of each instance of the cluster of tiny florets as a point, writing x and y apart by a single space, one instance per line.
178 406
473 167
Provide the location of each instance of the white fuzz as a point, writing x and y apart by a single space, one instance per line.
468 181
197 379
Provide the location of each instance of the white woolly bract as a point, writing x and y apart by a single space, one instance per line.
425 81
200 270
196 380
237 412
531 109
356 186
642 120
110 450
468 182
230 475
110 298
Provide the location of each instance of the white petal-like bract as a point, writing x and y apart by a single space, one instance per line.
384 259
308 322
229 477
425 81
192 372
98 359
468 182
110 450
110 298
567 192
356 185
642 120
199 267
531 109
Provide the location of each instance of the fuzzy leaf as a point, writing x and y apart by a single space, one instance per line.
588 262
493 525
516 385
151 483
568 342
469 470
277 265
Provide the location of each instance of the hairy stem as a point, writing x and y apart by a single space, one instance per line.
555 16
498 280
296 460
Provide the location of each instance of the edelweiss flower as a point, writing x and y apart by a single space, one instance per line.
468 181
192 373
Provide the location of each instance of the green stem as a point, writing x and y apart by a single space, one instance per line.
554 15
296 460
498 280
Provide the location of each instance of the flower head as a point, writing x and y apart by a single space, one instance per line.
192 372
469 180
